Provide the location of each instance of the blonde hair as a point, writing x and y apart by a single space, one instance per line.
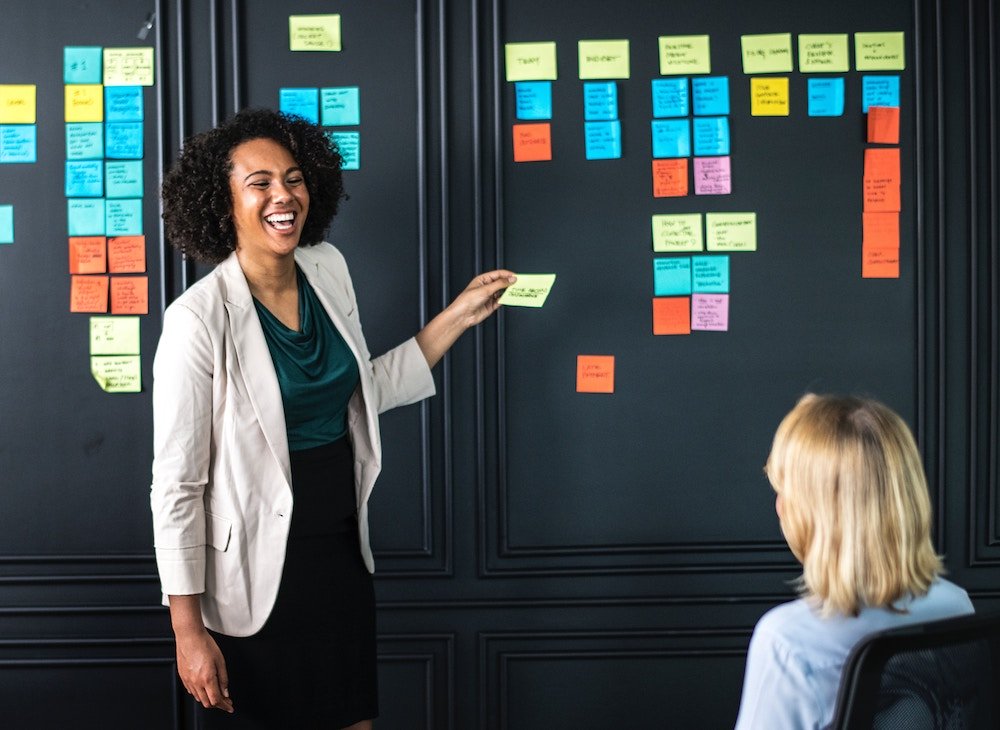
854 508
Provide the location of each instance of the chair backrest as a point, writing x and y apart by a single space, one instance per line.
942 675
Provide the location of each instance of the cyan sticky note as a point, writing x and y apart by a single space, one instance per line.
600 101
85 216
670 97
340 106
879 91
671 138
672 276
710 274
603 140
302 102
711 95
82 65
123 178
533 99
123 140
18 143
123 104
711 135
85 141
349 144
124 217
6 224
826 97
84 178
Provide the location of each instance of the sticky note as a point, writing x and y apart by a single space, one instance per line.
340 106
600 101
530 290
123 104
349 145
710 95
84 178
710 312
595 373
712 176
684 54
123 140
883 162
672 315
882 179
300 102
124 217
114 335
710 274
670 97
82 65
18 143
603 140
879 91
879 52
129 295
126 254
532 142
731 231
85 216
677 233
84 103
670 177
769 96
711 135
123 178
880 229
826 97
6 224
883 124
604 59
530 61
314 33
127 67
880 262
672 276
17 103
85 141
671 137
881 196
118 373
87 255
767 53
88 294
533 100
823 53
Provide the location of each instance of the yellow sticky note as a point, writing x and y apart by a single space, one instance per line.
17 103
879 52
117 373
128 66
731 231
530 290
684 54
530 61
84 103
675 233
767 54
114 335
314 33
604 59
769 96
823 53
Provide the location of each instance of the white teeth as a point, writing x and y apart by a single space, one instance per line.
280 217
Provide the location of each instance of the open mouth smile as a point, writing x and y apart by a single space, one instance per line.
281 221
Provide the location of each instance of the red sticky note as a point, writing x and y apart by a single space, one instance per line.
88 294
87 255
595 373
672 316
880 262
670 177
129 295
883 124
532 142
126 254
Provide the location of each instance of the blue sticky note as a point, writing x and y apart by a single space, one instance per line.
670 97
711 95
671 138
123 140
672 276
85 216
82 65
349 144
123 104
340 106
710 274
533 99
826 97
124 217
879 91
84 178
711 135
18 143
85 141
6 224
603 140
123 178
302 102
600 101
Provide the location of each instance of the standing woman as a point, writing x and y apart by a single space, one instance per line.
266 434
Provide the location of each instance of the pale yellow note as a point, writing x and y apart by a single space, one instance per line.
769 96
117 373
879 52
767 54
84 103
675 233
823 53
314 33
114 335
530 290
684 54
17 103
128 66
530 61
731 231
604 59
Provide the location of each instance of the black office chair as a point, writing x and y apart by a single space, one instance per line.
942 675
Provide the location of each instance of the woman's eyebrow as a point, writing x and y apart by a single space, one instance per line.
268 172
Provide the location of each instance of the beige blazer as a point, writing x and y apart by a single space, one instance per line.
221 493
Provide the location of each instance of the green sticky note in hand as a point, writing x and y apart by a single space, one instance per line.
530 290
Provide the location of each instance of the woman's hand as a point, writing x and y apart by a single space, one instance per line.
203 669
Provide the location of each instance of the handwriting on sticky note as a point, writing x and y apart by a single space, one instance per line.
128 67
710 274
712 176
710 312
84 103
314 33
670 177
677 233
17 103
672 316
880 262
129 295
595 373
530 61
883 124
731 231
87 255
114 335
879 51
604 59
88 294
823 53
882 179
532 142
767 53
530 290
126 254
769 96
684 54
117 373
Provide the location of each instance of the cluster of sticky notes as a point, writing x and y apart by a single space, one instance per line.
115 362
602 127
329 107
676 233
18 132
314 33
595 373
532 68
530 290
882 199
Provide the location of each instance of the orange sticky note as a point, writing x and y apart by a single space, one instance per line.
881 195
881 182
880 229
670 177
532 142
127 254
879 262
595 373
882 162
129 295
672 316
87 255
88 294
883 124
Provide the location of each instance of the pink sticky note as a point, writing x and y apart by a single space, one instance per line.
712 176
710 312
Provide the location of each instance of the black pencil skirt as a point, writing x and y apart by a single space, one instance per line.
313 664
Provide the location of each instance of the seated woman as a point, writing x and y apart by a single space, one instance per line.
853 505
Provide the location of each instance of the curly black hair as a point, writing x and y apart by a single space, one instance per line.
197 203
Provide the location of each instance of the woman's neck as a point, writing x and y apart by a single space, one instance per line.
270 277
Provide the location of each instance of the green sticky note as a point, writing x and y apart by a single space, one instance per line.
114 335
126 67
604 59
676 233
530 290
879 52
824 53
314 33
684 54
768 53
117 373
731 231
530 61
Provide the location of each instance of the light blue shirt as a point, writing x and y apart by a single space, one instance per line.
796 657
